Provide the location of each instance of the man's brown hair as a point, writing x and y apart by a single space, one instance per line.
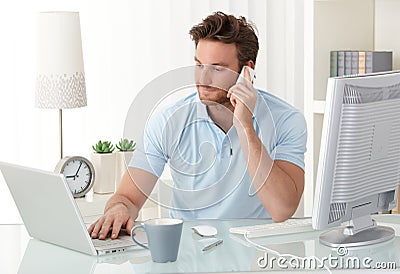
229 29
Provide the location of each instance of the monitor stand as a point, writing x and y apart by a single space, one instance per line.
359 232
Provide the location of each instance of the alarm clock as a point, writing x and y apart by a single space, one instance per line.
79 174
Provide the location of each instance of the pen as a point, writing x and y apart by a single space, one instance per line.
217 243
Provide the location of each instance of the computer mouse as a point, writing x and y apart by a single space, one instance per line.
205 230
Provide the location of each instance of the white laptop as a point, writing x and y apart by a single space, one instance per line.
50 213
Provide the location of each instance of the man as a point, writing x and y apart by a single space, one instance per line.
234 152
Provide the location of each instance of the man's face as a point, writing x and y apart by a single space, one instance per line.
217 68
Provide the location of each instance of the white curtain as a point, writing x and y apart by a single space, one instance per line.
126 44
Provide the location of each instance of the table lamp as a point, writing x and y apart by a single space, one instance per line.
60 82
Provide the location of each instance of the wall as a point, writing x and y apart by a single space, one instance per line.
126 44
387 28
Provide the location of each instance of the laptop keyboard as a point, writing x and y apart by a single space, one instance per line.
121 241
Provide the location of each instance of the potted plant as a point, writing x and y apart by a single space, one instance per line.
124 154
103 160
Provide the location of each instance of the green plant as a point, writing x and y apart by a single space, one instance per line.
103 147
126 145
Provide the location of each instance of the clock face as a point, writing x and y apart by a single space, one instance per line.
79 175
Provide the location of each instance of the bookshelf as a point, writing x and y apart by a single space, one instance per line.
348 25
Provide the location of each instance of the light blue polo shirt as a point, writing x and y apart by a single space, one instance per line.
207 166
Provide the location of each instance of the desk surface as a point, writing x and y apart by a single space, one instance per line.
19 253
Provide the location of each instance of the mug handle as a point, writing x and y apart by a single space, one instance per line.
133 237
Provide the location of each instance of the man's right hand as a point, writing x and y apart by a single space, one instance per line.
115 218
123 207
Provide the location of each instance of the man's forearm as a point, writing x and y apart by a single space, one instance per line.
276 190
121 199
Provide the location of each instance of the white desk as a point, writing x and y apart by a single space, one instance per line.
19 253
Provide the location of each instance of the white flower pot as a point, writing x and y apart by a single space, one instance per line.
104 165
121 164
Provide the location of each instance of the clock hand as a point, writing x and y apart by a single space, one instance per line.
70 176
76 175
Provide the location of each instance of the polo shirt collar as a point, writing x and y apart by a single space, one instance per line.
257 106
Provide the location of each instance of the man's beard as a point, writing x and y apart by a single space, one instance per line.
212 95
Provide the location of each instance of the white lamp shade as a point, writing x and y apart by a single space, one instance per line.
60 81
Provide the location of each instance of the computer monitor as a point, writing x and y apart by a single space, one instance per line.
359 163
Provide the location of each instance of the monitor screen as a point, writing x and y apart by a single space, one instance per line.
359 163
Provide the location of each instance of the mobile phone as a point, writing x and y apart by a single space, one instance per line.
241 78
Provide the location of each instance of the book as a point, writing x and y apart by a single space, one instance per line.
354 62
347 62
340 63
377 61
361 62
333 64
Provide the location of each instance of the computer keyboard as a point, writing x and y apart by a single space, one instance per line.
273 229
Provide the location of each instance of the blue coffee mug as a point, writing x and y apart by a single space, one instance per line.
163 236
